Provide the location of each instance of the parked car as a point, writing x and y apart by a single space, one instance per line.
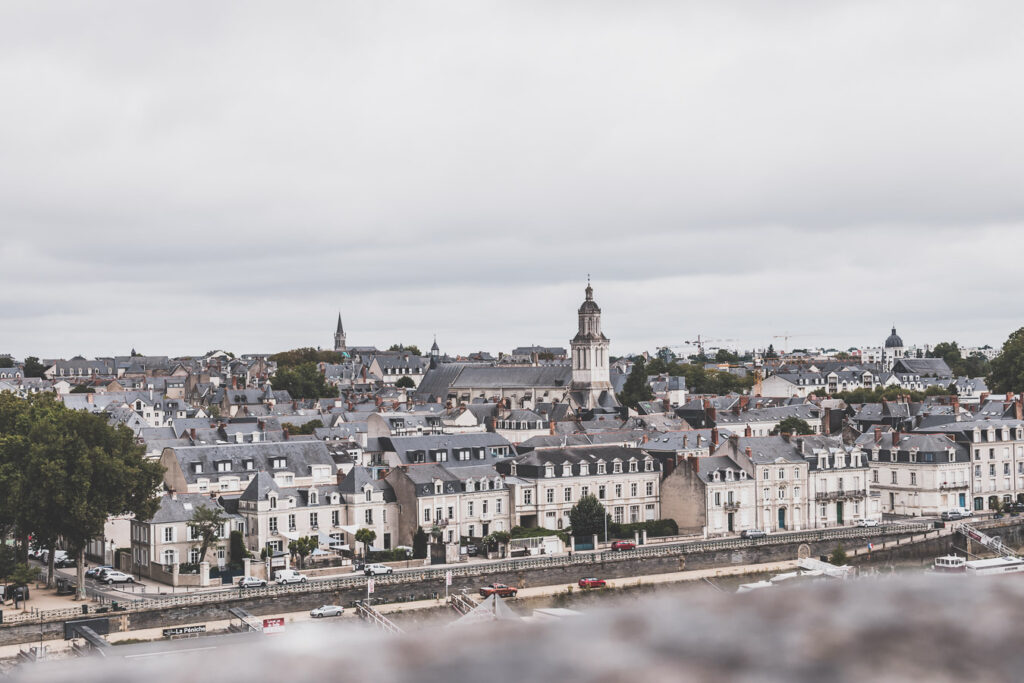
110 577
251 582
866 522
951 516
623 545
377 569
65 562
326 611
592 583
286 576
94 572
752 533
500 590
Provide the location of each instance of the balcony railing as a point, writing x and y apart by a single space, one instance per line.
732 505
954 486
842 494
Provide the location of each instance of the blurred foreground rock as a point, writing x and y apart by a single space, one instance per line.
929 628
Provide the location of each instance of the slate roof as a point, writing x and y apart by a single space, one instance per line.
261 485
301 456
179 508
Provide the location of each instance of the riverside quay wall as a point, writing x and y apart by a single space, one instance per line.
653 558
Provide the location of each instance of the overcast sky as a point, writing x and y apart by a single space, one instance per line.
177 177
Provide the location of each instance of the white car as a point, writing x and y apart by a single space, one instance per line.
867 522
327 611
111 577
286 576
377 569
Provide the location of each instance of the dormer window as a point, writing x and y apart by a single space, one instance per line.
248 464
549 471
743 475
728 475
617 467
512 469
369 494
584 469
632 466
278 463
314 499
601 468
273 502
567 470
648 466
438 488
714 476
197 468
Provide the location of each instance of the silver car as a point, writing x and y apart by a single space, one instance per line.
327 611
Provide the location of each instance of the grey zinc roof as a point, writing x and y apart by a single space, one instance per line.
301 456
513 376
706 467
261 485
179 507
764 450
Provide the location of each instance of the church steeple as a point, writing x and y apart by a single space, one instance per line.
590 372
339 336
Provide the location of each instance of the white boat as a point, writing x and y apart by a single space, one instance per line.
995 566
949 564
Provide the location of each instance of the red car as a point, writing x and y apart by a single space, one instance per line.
500 589
623 545
592 583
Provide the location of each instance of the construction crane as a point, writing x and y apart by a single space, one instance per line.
785 337
699 343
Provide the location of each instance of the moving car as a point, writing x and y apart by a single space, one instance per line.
592 583
377 569
111 577
251 582
623 545
286 576
326 611
500 590
867 522
95 572
752 533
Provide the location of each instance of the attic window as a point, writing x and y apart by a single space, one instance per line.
549 471
648 466
197 468
279 463
632 466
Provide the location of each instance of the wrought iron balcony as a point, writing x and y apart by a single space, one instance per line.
954 486
842 494
732 505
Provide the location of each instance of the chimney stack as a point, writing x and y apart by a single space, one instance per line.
748 432
749 453
827 426
286 434
955 402
895 438
551 427
714 437
1018 408
192 434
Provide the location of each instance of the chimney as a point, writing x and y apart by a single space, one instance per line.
748 432
895 438
736 408
827 427
234 382
878 435
351 406
89 398
749 453
174 495
261 425
285 434
551 427
535 359
984 396
1009 396
667 405
686 438
714 437
955 402
1018 407
192 434
394 405
744 403
644 438
785 436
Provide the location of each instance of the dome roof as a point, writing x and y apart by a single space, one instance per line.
894 341
589 305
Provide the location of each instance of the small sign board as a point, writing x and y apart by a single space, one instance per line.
184 631
273 625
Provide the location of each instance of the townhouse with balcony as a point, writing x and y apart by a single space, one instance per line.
547 482
917 474
712 495
840 482
781 472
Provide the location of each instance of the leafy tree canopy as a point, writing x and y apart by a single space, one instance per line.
6 360
303 381
305 428
405 382
1007 369
33 368
304 356
206 523
587 517
793 425
636 388
411 349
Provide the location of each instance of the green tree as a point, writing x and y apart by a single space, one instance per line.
726 356
411 349
82 389
419 544
237 549
587 517
838 556
405 382
206 524
770 353
304 428
1007 369
304 356
302 547
6 360
64 472
33 368
793 425
636 388
366 537
303 381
